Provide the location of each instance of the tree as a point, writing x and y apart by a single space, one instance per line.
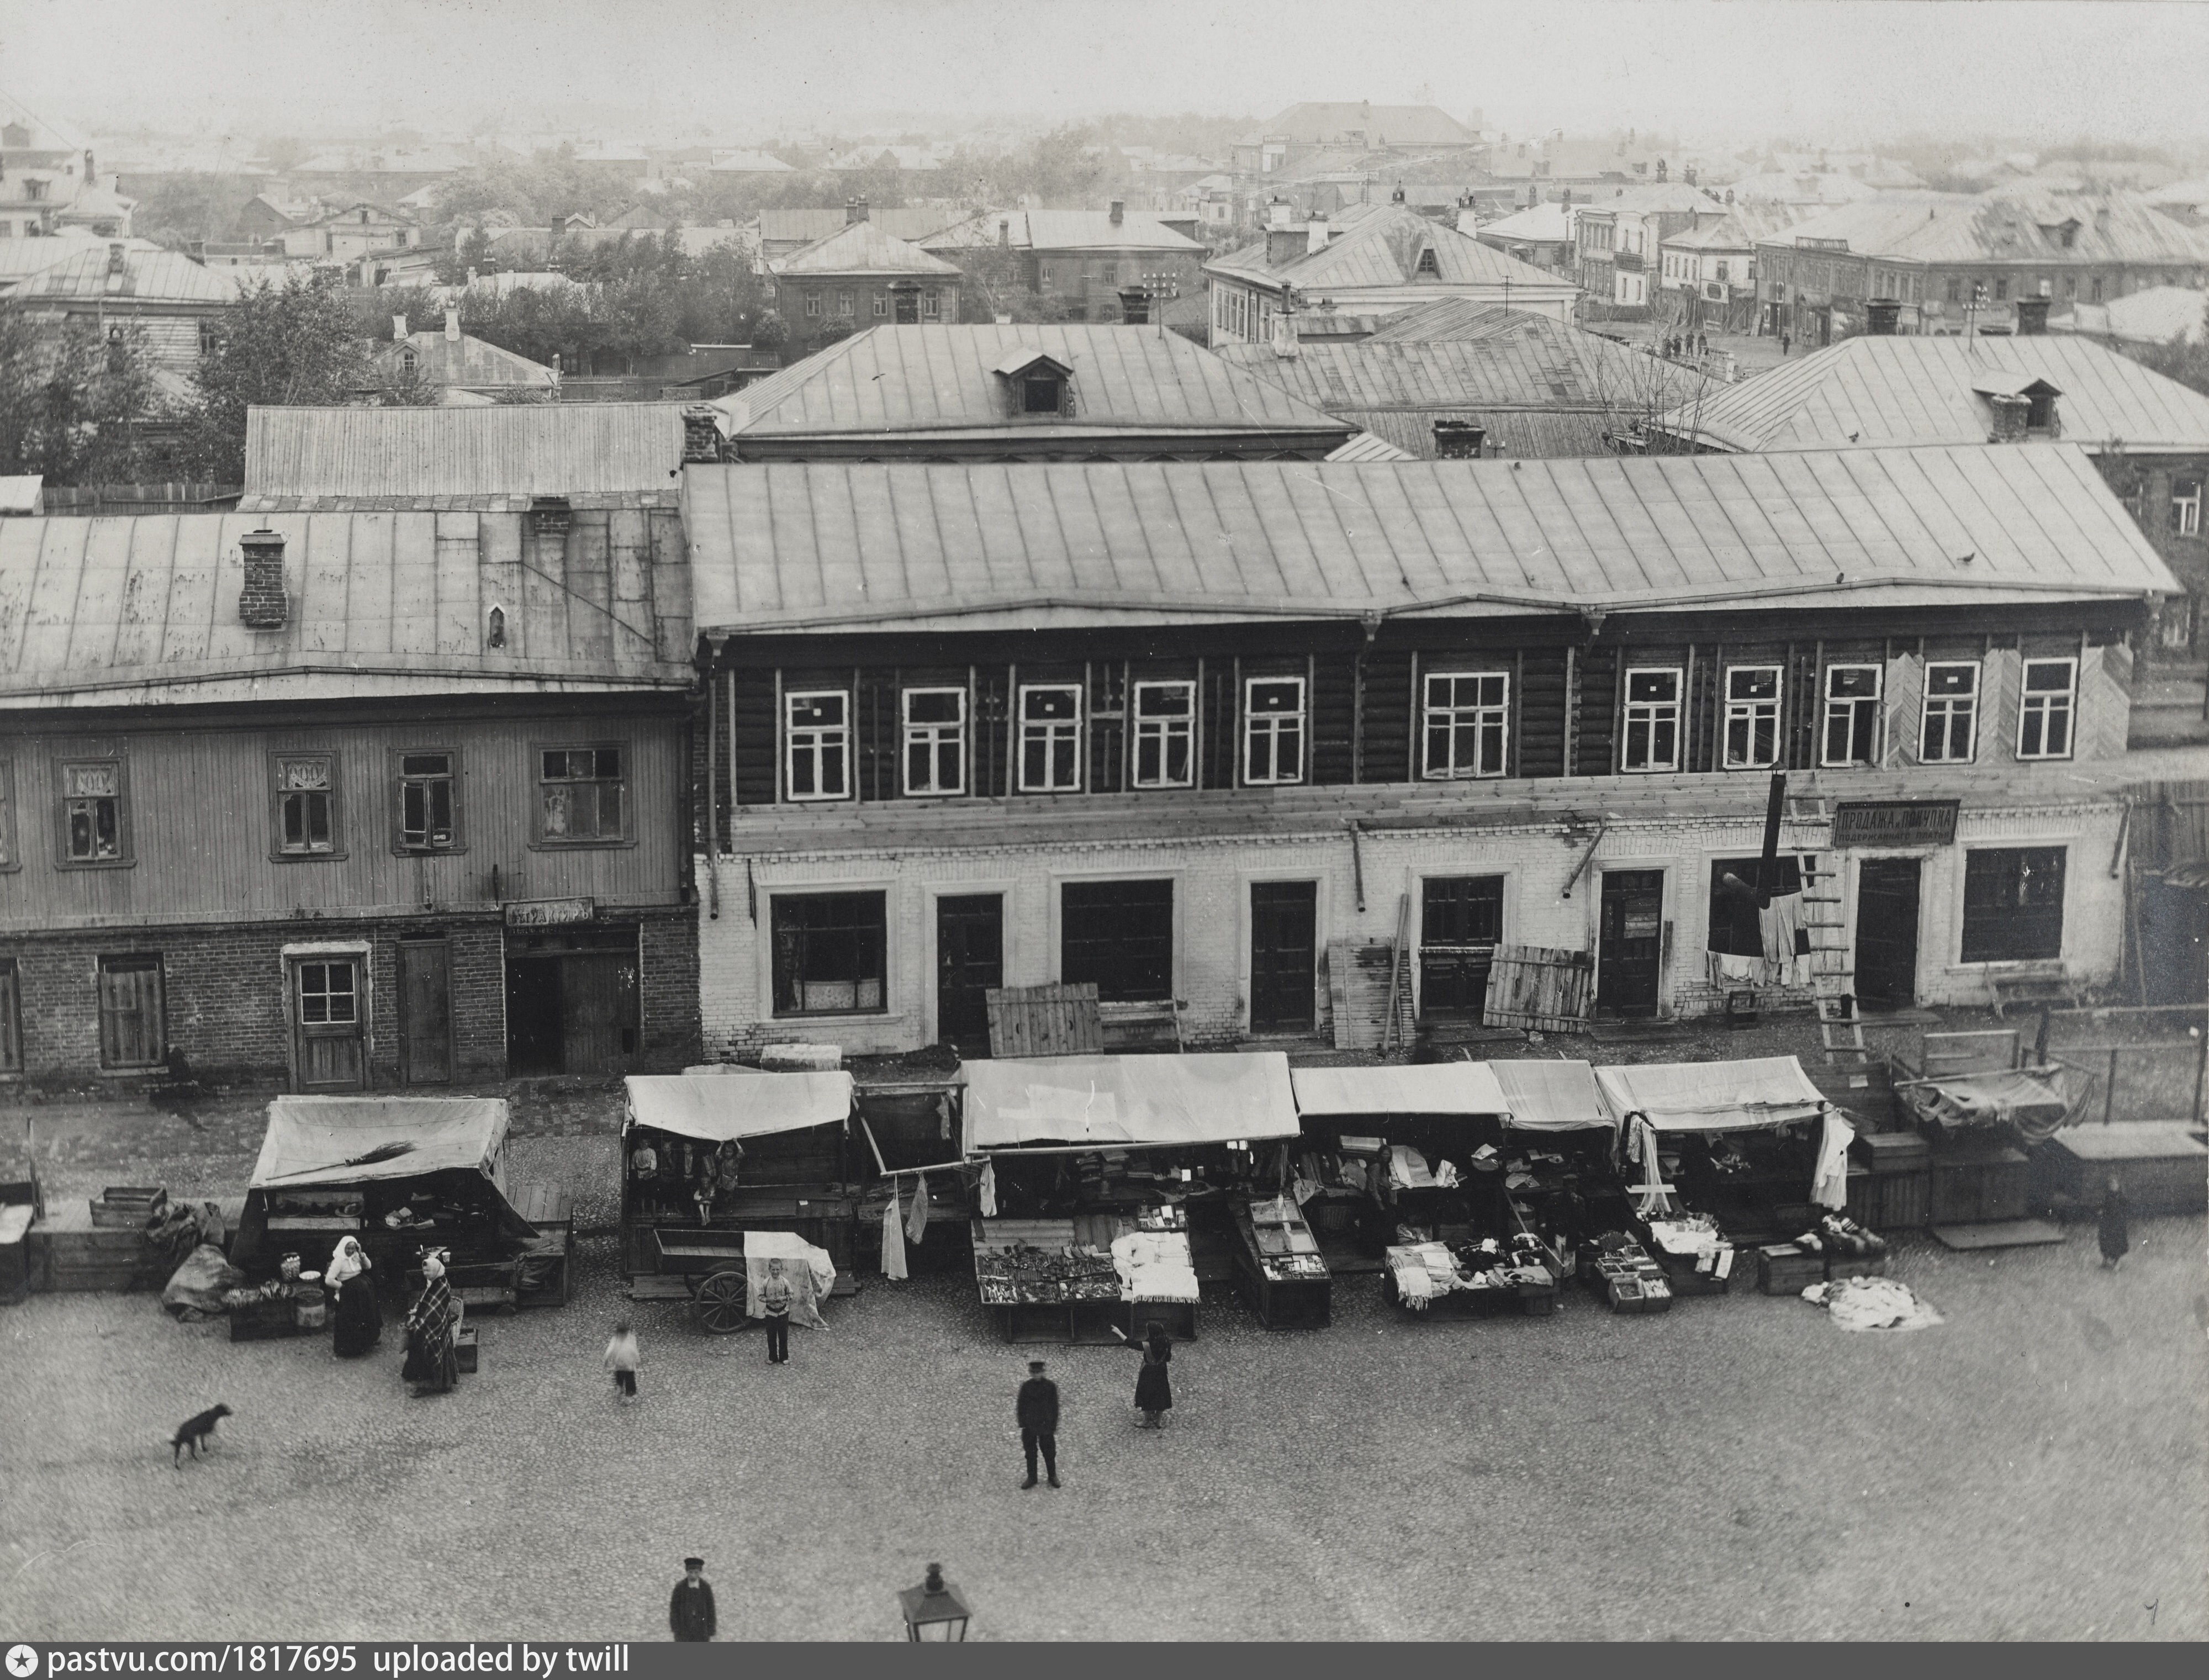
297 343
74 401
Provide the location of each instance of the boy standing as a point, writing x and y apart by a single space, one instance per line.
622 1359
1037 1409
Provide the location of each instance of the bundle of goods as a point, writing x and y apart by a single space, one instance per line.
178 1228
1871 1304
1835 1235
1422 1271
1632 1282
1408 1169
1029 1276
1534 1170
128 1208
1700 1257
1154 1266
202 1285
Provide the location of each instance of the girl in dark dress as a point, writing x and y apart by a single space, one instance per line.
2115 1227
1153 1391
359 1319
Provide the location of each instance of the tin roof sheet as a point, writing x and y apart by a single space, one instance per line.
521 449
1382 247
860 247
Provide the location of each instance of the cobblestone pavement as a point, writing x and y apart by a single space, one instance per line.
1738 1468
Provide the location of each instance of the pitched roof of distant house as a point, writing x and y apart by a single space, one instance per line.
1318 122
148 276
2006 226
351 212
748 163
1544 222
1778 187
465 361
859 248
913 222
950 378
1065 230
2157 316
1739 229
19 259
1445 318
1380 245
45 136
1932 390
1652 198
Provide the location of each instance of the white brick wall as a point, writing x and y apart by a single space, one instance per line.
1213 879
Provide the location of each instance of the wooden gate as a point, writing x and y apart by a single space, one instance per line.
1045 1020
1538 989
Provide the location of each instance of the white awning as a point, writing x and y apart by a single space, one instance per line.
1127 1101
354 1140
1761 1093
1552 1096
716 1109
1442 1088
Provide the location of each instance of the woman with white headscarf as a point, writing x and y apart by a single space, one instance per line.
432 1364
359 1320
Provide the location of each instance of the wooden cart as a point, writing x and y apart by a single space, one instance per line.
709 1265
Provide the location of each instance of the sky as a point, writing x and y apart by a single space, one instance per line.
1842 70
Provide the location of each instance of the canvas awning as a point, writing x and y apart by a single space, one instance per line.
1763 1092
1552 1096
1091 1102
1442 1087
717 1109
359 1140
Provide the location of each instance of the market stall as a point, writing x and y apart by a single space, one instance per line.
713 1163
1285 1278
1980 1103
1723 1153
1561 1147
1102 1178
402 1175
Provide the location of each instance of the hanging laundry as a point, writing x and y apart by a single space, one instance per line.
1829 1184
1652 1188
893 1236
917 1224
943 1117
989 1190
1784 939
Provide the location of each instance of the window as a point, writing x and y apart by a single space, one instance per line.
1652 720
1737 924
1722 270
1272 730
2094 289
582 794
846 303
2070 285
1117 935
1427 265
1112 274
93 812
1752 717
306 806
1461 923
2044 716
1166 722
813 303
829 953
329 992
2002 290
1955 290
934 741
1046 276
429 803
931 304
210 337
881 303
817 745
130 1016
1467 722
1040 395
1851 715
2013 905
1051 738
2186 508
1951 712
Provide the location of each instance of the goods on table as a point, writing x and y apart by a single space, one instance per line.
1155 1266
1025 1275
1871 1304
1632 1282
1286 1248
1422 1271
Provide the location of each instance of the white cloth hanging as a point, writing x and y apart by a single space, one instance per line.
989 1190
1653 1190
893 1236
1829 1184
916 1226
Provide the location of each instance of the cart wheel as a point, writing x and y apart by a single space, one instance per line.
719 1303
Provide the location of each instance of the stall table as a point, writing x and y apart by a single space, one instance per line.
1284 1280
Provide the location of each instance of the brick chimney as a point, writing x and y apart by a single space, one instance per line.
701 438
2010 415
1277 211
1881 314
1285 335
260 604
1119 211
1315 232
1004 233
2031 318
855 209
452 326
398 329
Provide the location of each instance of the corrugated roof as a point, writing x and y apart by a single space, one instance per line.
528 449
101 611
919 546
939 378
1876 390
1382 247
859 248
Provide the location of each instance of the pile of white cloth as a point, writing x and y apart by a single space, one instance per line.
1871 1304
1154 1266
1408 1167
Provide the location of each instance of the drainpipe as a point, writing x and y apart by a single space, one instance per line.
1587 858
1357 863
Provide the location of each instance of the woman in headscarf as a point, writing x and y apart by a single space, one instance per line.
2116 1225
432 1364
1153 1391
360 1321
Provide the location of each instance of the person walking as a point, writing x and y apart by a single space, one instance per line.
1153 1391
690 1608
775 1302
2115 1228
622 1359
1037 1409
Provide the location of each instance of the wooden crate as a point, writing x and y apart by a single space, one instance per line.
1978 1183
1784 1269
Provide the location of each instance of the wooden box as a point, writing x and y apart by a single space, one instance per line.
1900 1201
1537 1300
1894 1151
1784 1269
464 1350
1978 1183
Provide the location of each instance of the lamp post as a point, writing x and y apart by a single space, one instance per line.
934 1611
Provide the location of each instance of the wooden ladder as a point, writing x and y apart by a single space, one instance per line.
1833 965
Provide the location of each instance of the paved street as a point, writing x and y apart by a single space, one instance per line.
1739 1468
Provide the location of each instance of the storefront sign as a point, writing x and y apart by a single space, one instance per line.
550 912
1895 822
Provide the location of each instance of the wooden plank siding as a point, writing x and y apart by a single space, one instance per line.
200 818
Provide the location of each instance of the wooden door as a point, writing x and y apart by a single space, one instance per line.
328 1052
1886 931
1283 957
1631 946
598 1013
532 1017
970 960
426 1013
131 1032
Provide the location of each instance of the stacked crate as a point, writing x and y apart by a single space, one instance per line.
102 1247
1891 1183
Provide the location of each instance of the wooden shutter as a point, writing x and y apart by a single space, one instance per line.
130 1013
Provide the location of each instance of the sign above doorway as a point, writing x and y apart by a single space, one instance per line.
1895 822
550 912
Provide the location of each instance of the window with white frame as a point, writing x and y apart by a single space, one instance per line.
1952 712
1272 730
1752 717
1467 720
817 745
1852 723
306 804
2045 707
1166 734
2186 508
935 742
1051 738
1652 720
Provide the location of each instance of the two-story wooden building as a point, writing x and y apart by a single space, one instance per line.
1229 733
352 798
861 276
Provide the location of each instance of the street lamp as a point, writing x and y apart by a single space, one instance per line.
934 1611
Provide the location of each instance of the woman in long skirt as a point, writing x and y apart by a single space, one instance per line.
432 1366
1153 1390
360 1319
2116 1225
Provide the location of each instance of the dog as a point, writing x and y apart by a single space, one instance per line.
192 1432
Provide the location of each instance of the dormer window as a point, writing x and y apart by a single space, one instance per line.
1040 394
1035 384
2040 410
1428 265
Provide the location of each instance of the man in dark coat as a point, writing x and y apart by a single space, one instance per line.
690 1610
1037 1411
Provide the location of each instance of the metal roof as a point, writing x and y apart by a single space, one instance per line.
1520 432
1062 230
1447 318
1924 389
2005 225
1370 446
148 276
1381 124
1537 223
519 450
806 226
941 378
466 360
924 546
104 612
2156 316
859 248
1739 229
1382 247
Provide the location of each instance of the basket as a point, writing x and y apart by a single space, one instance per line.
465 1349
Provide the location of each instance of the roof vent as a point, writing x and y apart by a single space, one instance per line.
551 516
260 604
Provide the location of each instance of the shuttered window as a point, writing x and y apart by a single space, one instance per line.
130 1016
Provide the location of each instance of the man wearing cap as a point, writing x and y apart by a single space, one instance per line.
1037 1411
690 1611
